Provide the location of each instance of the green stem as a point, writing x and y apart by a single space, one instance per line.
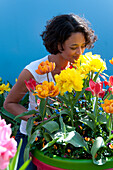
47 77
110 124
44 109
72 116
96 109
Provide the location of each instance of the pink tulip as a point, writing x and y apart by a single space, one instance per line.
31 84
96 88
8 145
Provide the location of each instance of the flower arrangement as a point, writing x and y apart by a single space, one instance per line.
73 118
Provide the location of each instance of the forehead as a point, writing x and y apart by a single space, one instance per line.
75 38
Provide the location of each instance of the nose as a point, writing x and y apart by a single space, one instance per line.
79 51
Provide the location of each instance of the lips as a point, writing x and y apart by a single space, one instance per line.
76 57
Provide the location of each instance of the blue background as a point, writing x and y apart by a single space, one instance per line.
22 22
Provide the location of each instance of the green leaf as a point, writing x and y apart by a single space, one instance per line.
65 111
108 125
14 162
48 111
78 95
102 119
49 144
75 139
51 126
47 136
30 141
98 143
69 128
25 165
96 75
9 115
30 112
42 107
62 124
30 125
91 115
88 122
26 153
62 98
110 137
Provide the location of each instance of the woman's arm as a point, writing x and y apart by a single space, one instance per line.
17 92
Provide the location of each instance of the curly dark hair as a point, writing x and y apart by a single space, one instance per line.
60 28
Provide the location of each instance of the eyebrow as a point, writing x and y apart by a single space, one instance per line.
77 44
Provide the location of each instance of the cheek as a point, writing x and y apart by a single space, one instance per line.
83 50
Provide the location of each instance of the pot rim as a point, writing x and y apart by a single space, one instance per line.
67 163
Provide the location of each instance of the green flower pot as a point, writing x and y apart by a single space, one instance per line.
44 162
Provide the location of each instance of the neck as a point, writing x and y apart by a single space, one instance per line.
60 62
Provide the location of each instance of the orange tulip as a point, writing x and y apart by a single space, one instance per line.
45 67
46 89
108 106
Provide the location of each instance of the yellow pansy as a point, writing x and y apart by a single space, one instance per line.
4 87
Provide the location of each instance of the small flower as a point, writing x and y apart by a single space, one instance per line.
69 150
38 102
35 123
111 146
16 80
80 127
87 139
92 140
83 132
43 139
45 67
111 61
108 144
43 145
55 147
96 155
36 139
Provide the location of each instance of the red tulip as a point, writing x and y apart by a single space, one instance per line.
96 88
31 84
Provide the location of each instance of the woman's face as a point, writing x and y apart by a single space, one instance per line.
73 47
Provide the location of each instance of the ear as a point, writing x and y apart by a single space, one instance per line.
59 47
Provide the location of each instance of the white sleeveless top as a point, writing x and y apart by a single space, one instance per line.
39 78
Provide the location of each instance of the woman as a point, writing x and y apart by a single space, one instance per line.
65 38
